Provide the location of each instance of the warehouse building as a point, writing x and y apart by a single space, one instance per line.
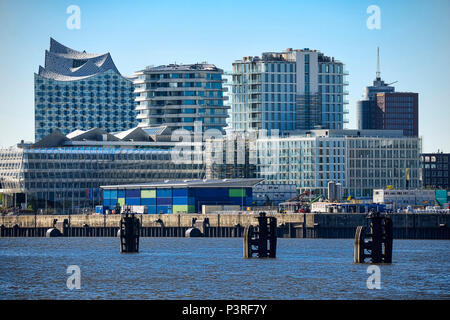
184 196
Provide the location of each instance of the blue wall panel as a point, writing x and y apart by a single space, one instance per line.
164 193
133 201
132 193
180 200
164 209
148 201
180 192
164 201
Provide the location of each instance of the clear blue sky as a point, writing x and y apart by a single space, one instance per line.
414 41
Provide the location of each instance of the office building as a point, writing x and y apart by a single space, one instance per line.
63 173
359 160
436 170
178 95
356 161
291 90
400 111
384 109
399 198
79 90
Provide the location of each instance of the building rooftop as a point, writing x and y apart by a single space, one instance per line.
96 137
66 64
205 183
343 133
286 55
183 67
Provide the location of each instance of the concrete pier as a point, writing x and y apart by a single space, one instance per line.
299 225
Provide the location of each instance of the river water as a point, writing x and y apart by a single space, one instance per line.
213 268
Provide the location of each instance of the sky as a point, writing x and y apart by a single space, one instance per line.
414 41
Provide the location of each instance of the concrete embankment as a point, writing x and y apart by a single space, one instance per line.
310 225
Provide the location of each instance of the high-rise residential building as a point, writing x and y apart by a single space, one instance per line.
436 170
79 90
400 111
178 95
291 90
228 85
383 108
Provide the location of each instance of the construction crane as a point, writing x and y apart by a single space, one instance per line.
316 199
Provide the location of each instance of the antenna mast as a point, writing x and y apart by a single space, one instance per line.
378 62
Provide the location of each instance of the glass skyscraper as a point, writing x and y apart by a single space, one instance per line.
291 90
79 90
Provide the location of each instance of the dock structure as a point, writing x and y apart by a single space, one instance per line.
289 225
375 242
261 241
129 233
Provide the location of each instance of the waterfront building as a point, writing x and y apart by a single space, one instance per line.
436 170
79 90
178 95
273 194
63 173
186 196
359 160
346 207
291 90
399 198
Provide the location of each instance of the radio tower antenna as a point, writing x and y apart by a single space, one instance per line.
378 63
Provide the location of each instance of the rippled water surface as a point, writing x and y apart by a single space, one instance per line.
213 268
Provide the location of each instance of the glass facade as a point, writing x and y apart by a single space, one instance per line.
103 101
70 177
79 90
436 170
360 164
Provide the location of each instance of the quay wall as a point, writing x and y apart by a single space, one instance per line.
309 225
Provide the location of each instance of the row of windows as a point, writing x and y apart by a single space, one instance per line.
157 76
433 173
82 100
434 159
101 86
284 67
83 112
89 122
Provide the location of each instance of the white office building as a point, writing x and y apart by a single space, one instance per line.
359 160
403 198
